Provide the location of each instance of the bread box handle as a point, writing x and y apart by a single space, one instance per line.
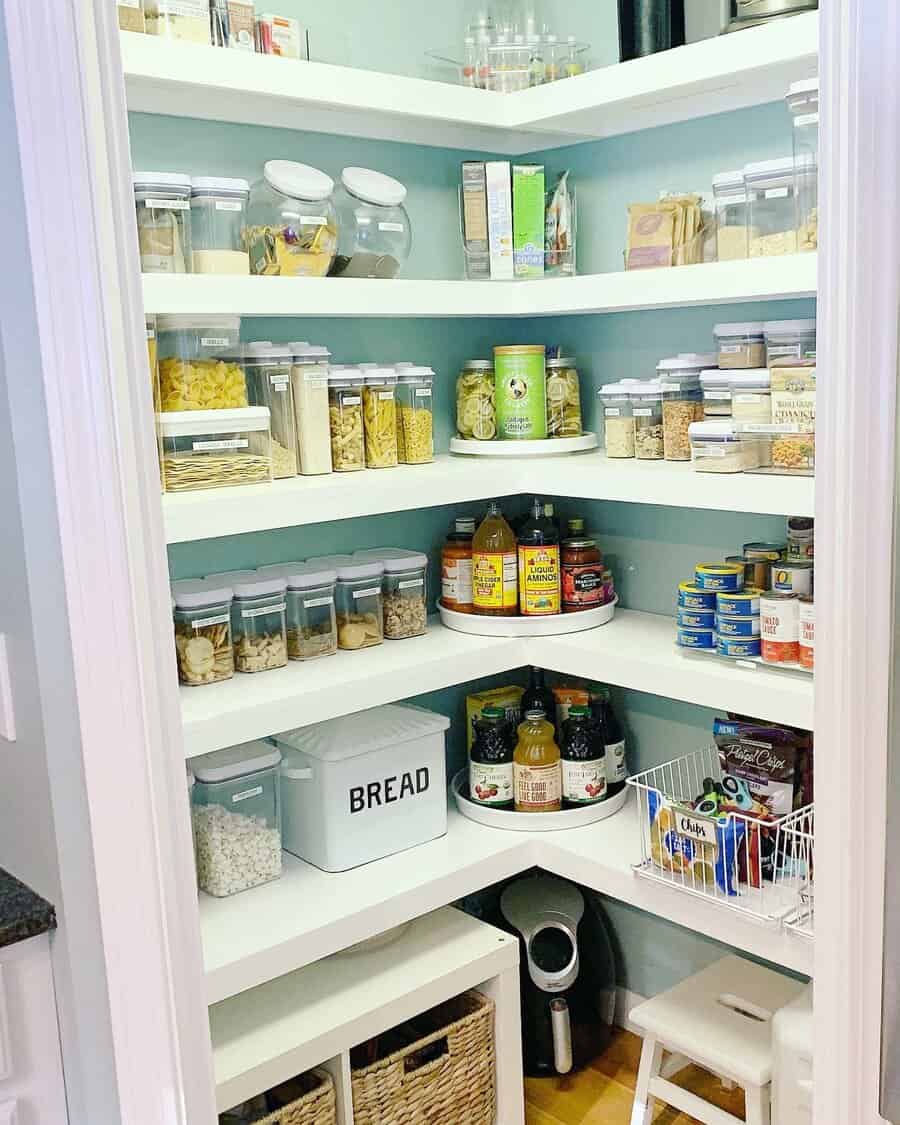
299 774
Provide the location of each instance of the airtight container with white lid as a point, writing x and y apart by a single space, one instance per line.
363 786
716 387
790 343
375 237
730 193
236 815
742 344
202 615
803 102
214 448
311 622
268 368
751 395
618 419
358 603
404 590
258 623
771 209
217 222
415 414
345 416
199 362
309 379
380 416
682 402
291 225
721 447
162 203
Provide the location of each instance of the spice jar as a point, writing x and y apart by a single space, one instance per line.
214 448
358 603
268 371
682 403
771 207
415 421
751 396
583 573
405 595
374 237
131 15
618 420
456 566
716 388
741 345
563 399
258 624
202 614
291 228
345 389
178 19
309 379
162 205
730 194
217 220
311 622
476 414
380 417
648 428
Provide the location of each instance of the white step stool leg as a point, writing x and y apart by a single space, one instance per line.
644 1102
758 1101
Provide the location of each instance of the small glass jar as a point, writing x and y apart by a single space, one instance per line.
716 388
730 194
187 20
236 818
162 202
214 448
563 399
309 379
374 237
476 414
380 417
741 345
199 365
311 621
415 415
345 414
217 221
131 15
803 102
682 404
202 614
291 228
790 343
358 602
258 624
267 368
721 447
618 420
771 208
646 401
751 396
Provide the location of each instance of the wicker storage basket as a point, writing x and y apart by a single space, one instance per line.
308 1100
443 1072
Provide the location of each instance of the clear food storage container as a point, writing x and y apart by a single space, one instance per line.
730 193
202 616
721 447
786 448
682 404
415 415
751 396
259 624
358 602
741 345
404 590
476 413
162 202
374 235
131 15
291 227
345 414
311 621
803 102
771 208
268 371
790 343
309 378
199 363
716 388
217 222
236 816
215 448
152 357
179 19
563 399
380 417
618 420
646 399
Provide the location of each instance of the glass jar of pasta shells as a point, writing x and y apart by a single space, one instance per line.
358 604
202 614
415 415
380 417
258 624
199 363
476 414
291 228
268 371
345 419
311 623
563 399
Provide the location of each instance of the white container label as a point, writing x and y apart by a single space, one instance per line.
773 428
205 622
717 396
776 193
214 341
229 205
731 349
669 387
151 333
806 119
167 204
397 228
643 412
385 396
224 443
351 400
312 220
612 412
279 382
246 793
262 610
423 392
316 378
711 451
748 397
314 603
370 593
411 584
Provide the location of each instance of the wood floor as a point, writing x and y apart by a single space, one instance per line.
602 1094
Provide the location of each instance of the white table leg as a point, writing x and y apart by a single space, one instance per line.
758 1105
644 1102
504 991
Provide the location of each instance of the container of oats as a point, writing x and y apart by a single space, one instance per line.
730 194
682 402
345 419
358 603
646 407
404 590
618 420
215 448
311 622
259 624
202 616
771 208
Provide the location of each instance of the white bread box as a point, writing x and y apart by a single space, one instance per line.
363 786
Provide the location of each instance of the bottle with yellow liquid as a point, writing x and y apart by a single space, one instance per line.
495 587
537 771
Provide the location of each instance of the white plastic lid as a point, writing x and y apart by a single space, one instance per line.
181 322
729 179
790 327
195 593
714 377
259 586
330 562
380 375
686 363
649 387
771 172
346 375
266 351
167 181
185 423
212 185
279 570
364 732
395 559
753 377
227 577
308 576
350 571
312 352
412 374
617 389
298 181
373 187
740 328
713 431
236 761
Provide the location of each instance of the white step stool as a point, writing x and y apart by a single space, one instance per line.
720 1019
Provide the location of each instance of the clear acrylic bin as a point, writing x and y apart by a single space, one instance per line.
345 415
415 415
730 194
618 420
803 102
559 258
771 208
380 417
267 368
258 624
311 622
203 648
359 605
199 363
217 219
215 448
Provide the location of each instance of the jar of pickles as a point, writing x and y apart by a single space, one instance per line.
162 203
202 614
258 624
380 417
291 227
563 399
268 371
311 622
345 417
618 420
476 414
415 415
358 604
648 421
199 368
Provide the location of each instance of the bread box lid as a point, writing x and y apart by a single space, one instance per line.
366 732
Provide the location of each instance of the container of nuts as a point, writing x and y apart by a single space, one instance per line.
682 401
202 614
311 623
258 624
646 399
404 591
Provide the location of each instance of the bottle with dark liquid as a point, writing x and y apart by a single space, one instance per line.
614 739
583 755
539 572
491 760
538 697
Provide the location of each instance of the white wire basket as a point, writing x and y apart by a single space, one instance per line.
731 859
796 868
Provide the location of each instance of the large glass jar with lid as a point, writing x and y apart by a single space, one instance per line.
682 402
309 378
563 399
771 208
476 414
268 371
217 222
345 419
374 237
199 363
803 101
646 401
415 415
162 203
291 224
380 417
618 420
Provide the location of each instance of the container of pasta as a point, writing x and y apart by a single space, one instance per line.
476 415
563 399
268 372
199 363
215 448
380 417
291 228
415 415
345 419
521 392
311 622
358 603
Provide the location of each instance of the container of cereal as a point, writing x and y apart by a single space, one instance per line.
217 221
202 614
646 400
682 404
199 363
719 576
476 415
730 194
345 414
771 209
291 227
751 395
741 345
236 817
380 417
790 343
807 637
716 388
720 447
563 399
162 203
267 368
415 415
359 605
258 624
780 628
618 420
692 596
311 621
520 392
309 380
215 448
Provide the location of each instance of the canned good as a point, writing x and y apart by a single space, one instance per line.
757 572
793 578
766 551
696 618
738 626
692 596
738 647
696 638
719 576
807 633
779 616
800 547
744 604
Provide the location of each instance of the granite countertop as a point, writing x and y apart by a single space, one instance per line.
23 914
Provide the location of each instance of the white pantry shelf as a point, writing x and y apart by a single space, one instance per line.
275 929
713 283
714 76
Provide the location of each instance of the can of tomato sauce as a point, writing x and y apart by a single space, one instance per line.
779 618
583 575
807 633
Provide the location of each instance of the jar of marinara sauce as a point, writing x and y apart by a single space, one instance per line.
582 575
